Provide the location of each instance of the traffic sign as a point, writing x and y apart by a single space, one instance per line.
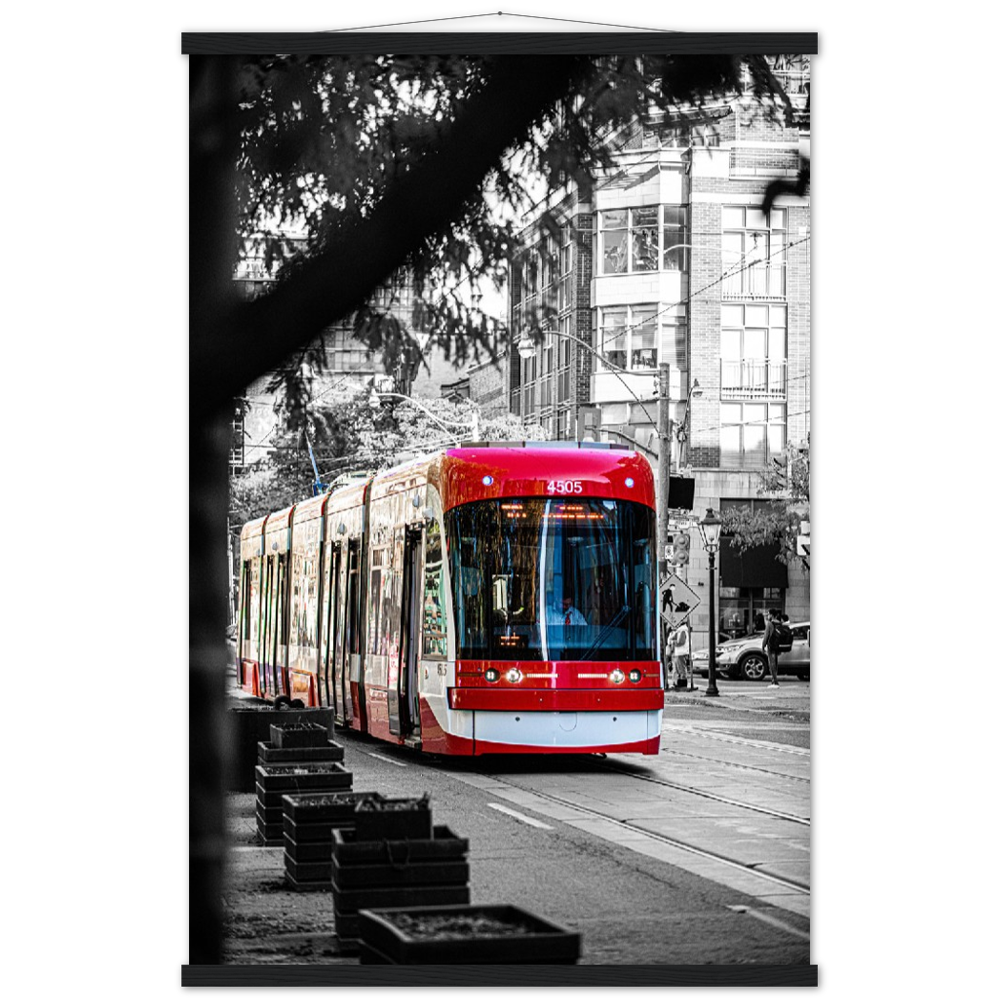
677 600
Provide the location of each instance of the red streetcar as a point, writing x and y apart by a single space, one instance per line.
493 598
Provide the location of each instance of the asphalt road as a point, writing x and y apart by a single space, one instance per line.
699 855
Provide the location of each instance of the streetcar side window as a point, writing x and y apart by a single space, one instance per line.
353 598
435 622
281 611
379 558
254 608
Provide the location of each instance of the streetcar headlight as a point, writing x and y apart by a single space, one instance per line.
492 675
635 676
617 676
513 676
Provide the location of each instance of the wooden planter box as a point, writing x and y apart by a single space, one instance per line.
393 819
308 852
307 875
329 753
439 861
303 778
307 825
463 935
413 873
347 904
336 806
442 846
274 785
269 832
250 724
298 735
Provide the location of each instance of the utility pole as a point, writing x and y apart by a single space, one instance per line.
663 504
663 507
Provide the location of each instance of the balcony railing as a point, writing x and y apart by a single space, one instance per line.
753 379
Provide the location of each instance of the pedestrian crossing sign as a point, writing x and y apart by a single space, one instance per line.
677 600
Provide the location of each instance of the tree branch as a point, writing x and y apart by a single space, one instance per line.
258 335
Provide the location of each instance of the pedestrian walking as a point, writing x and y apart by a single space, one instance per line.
770 644
681 655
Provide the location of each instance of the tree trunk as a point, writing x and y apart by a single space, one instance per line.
213 139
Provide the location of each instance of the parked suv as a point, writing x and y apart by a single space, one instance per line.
745 658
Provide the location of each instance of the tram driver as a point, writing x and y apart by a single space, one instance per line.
565 614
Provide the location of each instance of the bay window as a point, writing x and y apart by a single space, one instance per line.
633 240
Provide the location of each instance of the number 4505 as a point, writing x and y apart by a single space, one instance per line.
564 486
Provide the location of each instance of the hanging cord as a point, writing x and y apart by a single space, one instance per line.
499 13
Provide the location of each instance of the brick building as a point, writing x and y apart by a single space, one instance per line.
670 260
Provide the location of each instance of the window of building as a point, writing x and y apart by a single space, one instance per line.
674 238
566 252
630 239
629 336
753 350
562 422
753 253
751 433
744 610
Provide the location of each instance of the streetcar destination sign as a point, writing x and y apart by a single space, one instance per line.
677 600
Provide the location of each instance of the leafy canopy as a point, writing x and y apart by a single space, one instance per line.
325 138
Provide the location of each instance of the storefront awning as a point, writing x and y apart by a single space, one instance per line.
757 567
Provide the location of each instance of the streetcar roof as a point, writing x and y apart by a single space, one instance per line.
542 468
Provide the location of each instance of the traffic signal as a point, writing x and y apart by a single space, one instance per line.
682 548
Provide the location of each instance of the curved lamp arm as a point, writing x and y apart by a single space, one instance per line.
472 427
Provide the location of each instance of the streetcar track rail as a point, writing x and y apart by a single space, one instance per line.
786 883
740 740
733 763
775 813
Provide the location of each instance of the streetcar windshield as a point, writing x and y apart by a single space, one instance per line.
553 579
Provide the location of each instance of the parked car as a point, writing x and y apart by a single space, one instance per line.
744 657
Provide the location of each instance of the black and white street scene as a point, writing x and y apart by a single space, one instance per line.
511 359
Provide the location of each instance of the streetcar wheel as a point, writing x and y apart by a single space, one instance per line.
282 701
752 666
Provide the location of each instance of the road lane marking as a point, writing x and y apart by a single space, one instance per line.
379 756
520 816
768 919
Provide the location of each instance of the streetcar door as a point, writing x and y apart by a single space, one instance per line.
352 648
341 641
407 719
267 632
331 599
280 660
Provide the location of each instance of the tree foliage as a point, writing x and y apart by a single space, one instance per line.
324 140
785 486
349 437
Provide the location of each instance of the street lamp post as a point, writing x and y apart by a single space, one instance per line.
663 500
711 527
